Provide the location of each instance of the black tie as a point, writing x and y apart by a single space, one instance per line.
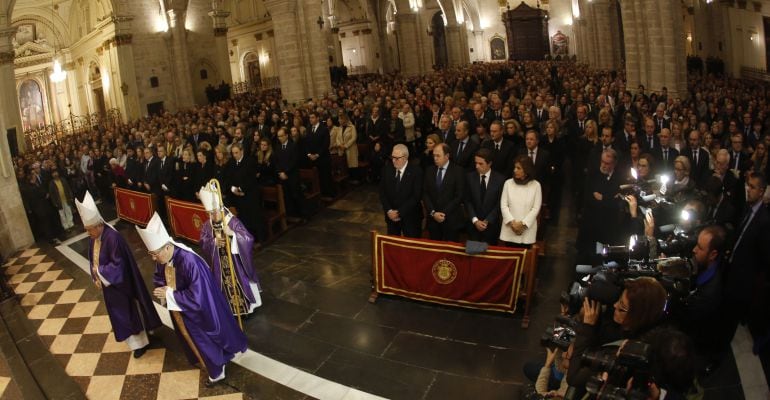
581 125
665 155
695 156
398 177
737 157
483 186
497 146
439 177
460 149
652 142
283 147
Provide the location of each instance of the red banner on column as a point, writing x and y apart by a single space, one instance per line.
443 273
186 218
136 207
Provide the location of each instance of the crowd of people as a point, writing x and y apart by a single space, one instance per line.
479 152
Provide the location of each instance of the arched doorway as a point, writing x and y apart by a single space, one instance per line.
251 69
441 56
95 80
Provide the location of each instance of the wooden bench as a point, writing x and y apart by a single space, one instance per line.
274 209
363 160
312 186
339 172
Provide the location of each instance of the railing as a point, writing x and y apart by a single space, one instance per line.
268 83
755 74
36 138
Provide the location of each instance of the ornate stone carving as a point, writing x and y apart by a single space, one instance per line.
99 50
367 31
220 31
258 36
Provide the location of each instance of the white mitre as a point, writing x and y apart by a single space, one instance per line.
89 214
209 199
155 235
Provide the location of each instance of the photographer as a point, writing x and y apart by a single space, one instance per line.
639 308
698 311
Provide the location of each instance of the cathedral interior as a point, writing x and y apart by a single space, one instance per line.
65 64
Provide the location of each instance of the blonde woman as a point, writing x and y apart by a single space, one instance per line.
346 142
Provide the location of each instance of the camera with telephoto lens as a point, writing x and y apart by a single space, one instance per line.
631 361
560 335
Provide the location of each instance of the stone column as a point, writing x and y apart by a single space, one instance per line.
455 48
128 91
655 49
14 227
176 13
480 52
10 111
408 46
631 29
316 59
600 11
221 54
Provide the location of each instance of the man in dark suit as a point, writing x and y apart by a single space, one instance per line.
483 189
316 147
246 198
540 157
661 120
400 191
134 169
503 151
463 148
624 138
197 138
442 196
446 131
601 211
151 175
287 168
699 159
740 161
665 154
649 142
750 257
167 185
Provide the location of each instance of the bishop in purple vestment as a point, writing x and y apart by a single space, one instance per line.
241 245
201 315
114 270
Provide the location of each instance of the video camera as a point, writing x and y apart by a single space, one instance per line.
631 361
560 335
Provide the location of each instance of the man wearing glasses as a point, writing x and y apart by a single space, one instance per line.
202 318
115 272
400 191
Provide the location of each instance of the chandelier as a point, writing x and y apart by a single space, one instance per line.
58 74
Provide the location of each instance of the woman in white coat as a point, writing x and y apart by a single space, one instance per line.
520 205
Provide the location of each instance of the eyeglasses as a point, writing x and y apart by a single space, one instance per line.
394 158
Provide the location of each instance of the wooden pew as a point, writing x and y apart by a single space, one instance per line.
312 187
274 209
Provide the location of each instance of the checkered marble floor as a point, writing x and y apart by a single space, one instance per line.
70 317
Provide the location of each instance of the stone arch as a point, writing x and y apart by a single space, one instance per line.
249 67
438 31
471 9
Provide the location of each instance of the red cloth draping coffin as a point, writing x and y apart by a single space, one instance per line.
443 273
186 218
136 207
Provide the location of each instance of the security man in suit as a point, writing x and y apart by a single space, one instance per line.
443 190
483 189
463 148
400 191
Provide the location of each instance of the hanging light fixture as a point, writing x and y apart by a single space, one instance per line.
58 74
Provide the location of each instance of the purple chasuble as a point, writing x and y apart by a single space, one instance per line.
243 262
126 296
205 312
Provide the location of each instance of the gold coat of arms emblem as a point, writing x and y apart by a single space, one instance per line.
444 271
132 204
197 221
